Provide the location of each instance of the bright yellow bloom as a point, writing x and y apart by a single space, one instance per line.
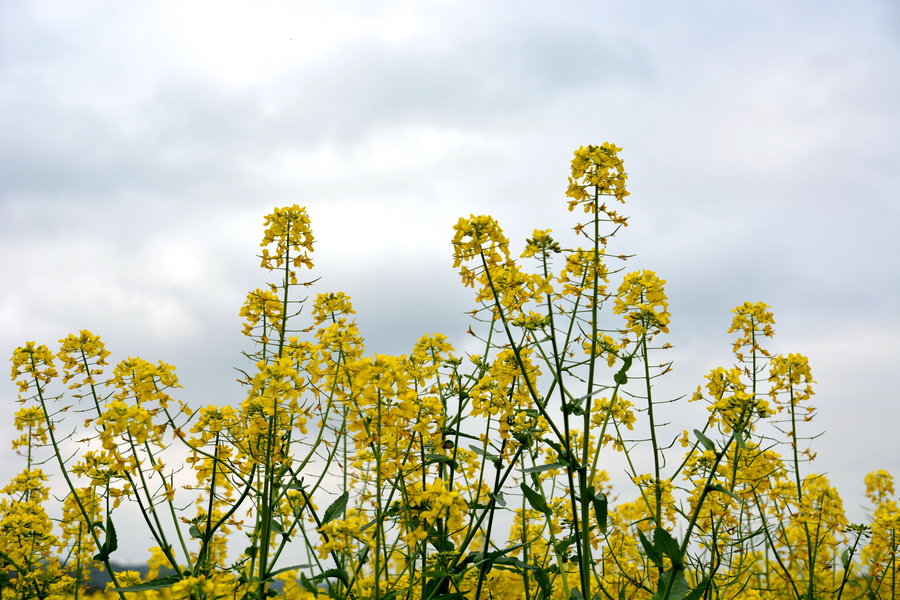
82 354
331 306
599 169
541 244
32 363
288 228
642 299
751 321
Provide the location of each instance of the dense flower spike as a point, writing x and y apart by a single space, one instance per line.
596 168
288 229
752 321
642 300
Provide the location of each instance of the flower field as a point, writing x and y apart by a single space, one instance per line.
442 475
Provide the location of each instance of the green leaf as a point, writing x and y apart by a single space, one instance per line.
511 561
666 545
194 532
437 458
562 546
679 589
111 538
715 487
540 576
707 443
845 558
649 549
454 432
336 573
542 468
698 591
307 584
563 456
111 544
536 501
336 508
600 509
285 570
441 542
739 438
622 376
481 452
154 584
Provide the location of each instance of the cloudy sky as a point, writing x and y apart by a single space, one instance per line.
142 143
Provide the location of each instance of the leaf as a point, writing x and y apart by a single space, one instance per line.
336 508
716 487
454 432
111 544
285 570
437 458
337 573
511 561
707 443
562 545
540 575
440 542
666 545
621 377
652 554
698 591
845 558
194 532
111 538
679 589
481 452
600 508
308 585
563 456
154 584
542 468
739 438
536 501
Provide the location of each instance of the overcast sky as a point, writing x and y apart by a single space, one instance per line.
142 143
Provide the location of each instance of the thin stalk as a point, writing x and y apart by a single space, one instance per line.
65 474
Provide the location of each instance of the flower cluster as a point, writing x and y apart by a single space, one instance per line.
642 300
598 169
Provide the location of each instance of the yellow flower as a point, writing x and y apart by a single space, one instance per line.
598 168
751 321
331 306
288 228
34 364
82 354
540 243
642 299
479 236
